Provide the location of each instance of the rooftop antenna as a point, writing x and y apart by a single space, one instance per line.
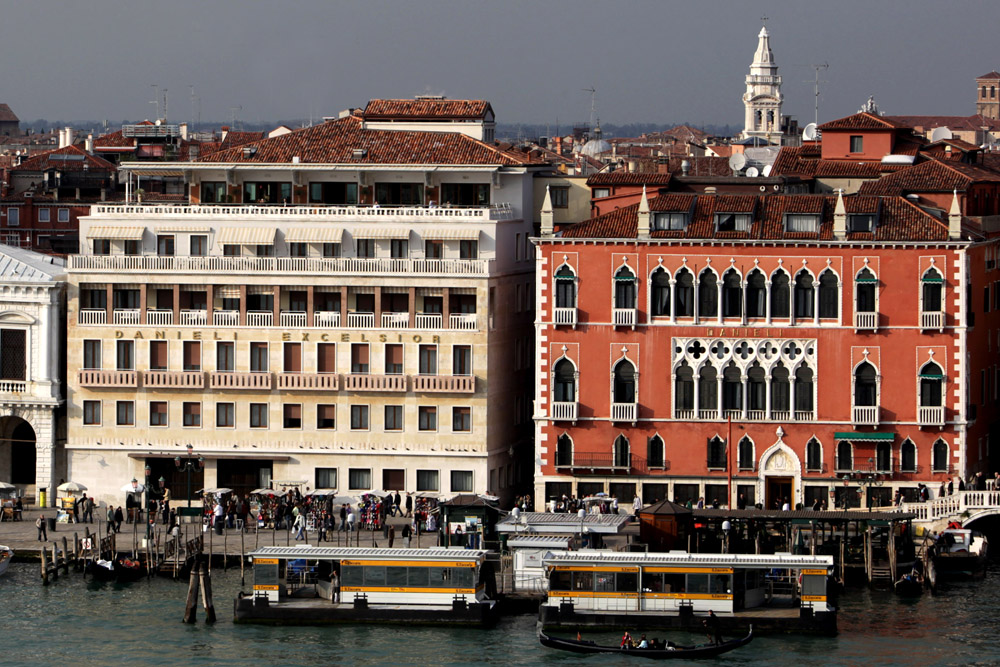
191 121
593 105
164 104
156 100
234 113
816 83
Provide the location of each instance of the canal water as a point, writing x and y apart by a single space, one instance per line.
84 623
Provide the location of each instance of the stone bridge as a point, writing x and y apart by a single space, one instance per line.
963 506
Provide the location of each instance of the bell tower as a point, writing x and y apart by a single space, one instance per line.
762 99
987 92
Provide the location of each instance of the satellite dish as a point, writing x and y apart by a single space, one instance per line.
737 161
809 132
752 172
940 134
767 171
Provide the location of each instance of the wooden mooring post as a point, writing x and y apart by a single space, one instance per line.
200 581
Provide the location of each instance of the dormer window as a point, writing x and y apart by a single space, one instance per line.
857 144
861 222
673 222
733 222
802 222
249 151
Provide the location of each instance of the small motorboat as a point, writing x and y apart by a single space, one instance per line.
911 584
669 653
960 552
6 556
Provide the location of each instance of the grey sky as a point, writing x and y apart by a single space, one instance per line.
650 61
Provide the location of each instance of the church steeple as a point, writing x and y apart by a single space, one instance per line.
762 99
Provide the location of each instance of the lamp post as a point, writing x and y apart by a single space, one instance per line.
146 500
726 527
189 465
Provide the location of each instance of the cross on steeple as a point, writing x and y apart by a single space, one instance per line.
764 19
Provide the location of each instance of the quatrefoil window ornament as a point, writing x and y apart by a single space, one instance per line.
696 349
769 350
744 350
720 349
792 349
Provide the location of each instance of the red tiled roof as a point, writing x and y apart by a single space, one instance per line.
847 169
965 123
335 141
622 177
930 176
114 141
863 121
792 162
899 220
234 138
424 108
6 115
46 160
991 75
700 166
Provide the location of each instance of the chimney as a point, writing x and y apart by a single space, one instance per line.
184 131
840 217
89 145
643 228
62 138
547 214
225 133
69 136
955 219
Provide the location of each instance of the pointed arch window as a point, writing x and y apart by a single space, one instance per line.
564 381
717 453
865 292
756 294
565 287
865 385
684 294
780 389
804 296
756 388
931 385
814 455
908 456
732 294
655 452
845 455
708 294
732 388
829 297
564 451
745 456
684 388
779 294
624 288
624 384
622 457
939 456
883 457
660 293
804 389
931 287
708 390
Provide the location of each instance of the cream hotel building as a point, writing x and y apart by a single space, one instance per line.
347 306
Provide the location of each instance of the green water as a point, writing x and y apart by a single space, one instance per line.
73 622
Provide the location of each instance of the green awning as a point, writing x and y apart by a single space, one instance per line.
930 377
866 280
854 435
625 278
932 280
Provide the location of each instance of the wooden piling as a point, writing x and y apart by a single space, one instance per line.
45 568
65 555
206 596
243 556
225 550
191 605
55 561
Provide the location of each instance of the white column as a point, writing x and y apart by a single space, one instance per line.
43 424
718 393
816 303
767 302
743 380
791 387
697 395
767 396
673 301
718 301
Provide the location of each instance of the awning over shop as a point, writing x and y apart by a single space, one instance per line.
854 435
116 233
314 235
246 236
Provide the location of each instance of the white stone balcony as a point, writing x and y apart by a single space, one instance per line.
453 384
364 382
805 415
310 213
708 413
930 415
623 412
430 321
292 318
564 411
624 317
684 413
361 320
225 380
93 316
756 415
125 316
732 414
395 320
226 318
327 319
865 415
13 386
193 318
932 320
260 318
309 381
864 321
109 378
781 415
159 318
564 316
462 321
173 379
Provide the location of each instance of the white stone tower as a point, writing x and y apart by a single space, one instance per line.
762 98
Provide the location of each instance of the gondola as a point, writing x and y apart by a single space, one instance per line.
911 584
678 652
100 570
128 570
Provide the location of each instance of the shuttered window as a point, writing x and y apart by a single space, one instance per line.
192 414
359 358
393 359
292 416
293 357
192 355
326 358
258 358
326 417
158 355
12 354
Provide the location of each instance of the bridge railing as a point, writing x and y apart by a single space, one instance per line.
952 506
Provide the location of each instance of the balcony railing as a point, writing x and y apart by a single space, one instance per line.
732 414
805 415
430 320
13 386
225 380
624 317
260 318
125 316
456 384
395 320
931 320
684 413
348 266
159 318
781 415
328 319
361 320
564 316
93 316
609 464
708 413
310 213
100 378
564 411
864 321
193 318
865 415
292 318
930 415
623 412
462 321
756 415
226 318
362 382
309 381
173 379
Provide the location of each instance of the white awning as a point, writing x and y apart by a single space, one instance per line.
314 235
183 229
260 289
246 236
380 233
227 291
116 233
452 234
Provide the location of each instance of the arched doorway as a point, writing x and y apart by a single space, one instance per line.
18 439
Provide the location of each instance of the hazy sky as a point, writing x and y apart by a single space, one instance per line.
650 61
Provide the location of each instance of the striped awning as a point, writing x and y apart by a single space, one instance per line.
183 229
375 232
452 234
314 235
855 435
246 236
260 289
227 291
430 291
116 233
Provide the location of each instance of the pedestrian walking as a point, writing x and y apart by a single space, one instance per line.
392 535
395 504
119 517
299 526
407 533
111 519
409 505
40 525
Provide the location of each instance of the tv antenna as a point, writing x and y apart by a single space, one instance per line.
593 105
235 114
816 83
164 104
156 100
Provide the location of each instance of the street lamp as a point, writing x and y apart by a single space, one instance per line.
189 465
726 527
146 500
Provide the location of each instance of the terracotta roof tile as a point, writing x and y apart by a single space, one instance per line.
234 138
335 141
930 176
6 115
621 177
425 108
847 169
863 121
114 141
990 75
49 160
968 123
794 161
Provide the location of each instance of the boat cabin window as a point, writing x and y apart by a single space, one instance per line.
396 576
663 582
697 583
561 580
609 582
374 576
416 577
411 577
813 584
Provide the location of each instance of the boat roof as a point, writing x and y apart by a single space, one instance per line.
562 523
683 558
341 553
540 541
